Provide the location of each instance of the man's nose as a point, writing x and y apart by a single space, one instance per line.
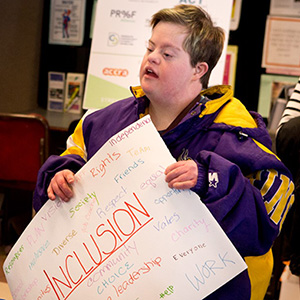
153 57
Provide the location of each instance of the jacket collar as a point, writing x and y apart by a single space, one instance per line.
221 109
234 114
218 96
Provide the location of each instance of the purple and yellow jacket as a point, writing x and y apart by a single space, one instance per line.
254 190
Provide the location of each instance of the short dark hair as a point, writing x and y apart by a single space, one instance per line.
204 42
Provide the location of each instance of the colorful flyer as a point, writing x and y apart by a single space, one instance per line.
74 92
67 22
56 91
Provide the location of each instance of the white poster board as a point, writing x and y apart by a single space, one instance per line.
125 234
120 34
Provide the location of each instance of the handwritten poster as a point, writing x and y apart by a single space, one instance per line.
120 33
125 234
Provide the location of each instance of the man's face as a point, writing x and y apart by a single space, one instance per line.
166 72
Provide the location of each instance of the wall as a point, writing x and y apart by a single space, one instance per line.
20 44
62 58
24 26
250 38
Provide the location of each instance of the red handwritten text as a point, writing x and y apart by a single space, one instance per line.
104 163
108 238
134 276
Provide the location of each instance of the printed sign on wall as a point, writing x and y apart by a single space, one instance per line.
67 22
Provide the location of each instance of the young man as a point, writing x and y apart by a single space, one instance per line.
207 131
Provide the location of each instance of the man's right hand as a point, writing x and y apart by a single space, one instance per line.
60 185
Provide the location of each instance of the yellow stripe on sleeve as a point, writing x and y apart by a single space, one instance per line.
269 182
289 188
75 142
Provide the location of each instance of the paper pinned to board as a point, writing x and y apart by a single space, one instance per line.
281 45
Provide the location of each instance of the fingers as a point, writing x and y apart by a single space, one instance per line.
60 185
182 174
51 193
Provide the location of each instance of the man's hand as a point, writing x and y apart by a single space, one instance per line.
60 185
182 174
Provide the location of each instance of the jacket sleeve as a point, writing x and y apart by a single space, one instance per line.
72 159
251 208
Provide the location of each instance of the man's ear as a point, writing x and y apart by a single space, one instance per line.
200 69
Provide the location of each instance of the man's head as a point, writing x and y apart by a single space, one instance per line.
204 41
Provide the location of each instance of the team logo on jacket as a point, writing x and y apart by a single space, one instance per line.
213 179
184 155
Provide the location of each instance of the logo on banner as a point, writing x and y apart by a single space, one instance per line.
113 39
115 72
122 14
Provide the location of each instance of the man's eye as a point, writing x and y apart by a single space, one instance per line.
149 49
167 55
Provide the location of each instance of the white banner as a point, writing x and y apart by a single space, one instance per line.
120 33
